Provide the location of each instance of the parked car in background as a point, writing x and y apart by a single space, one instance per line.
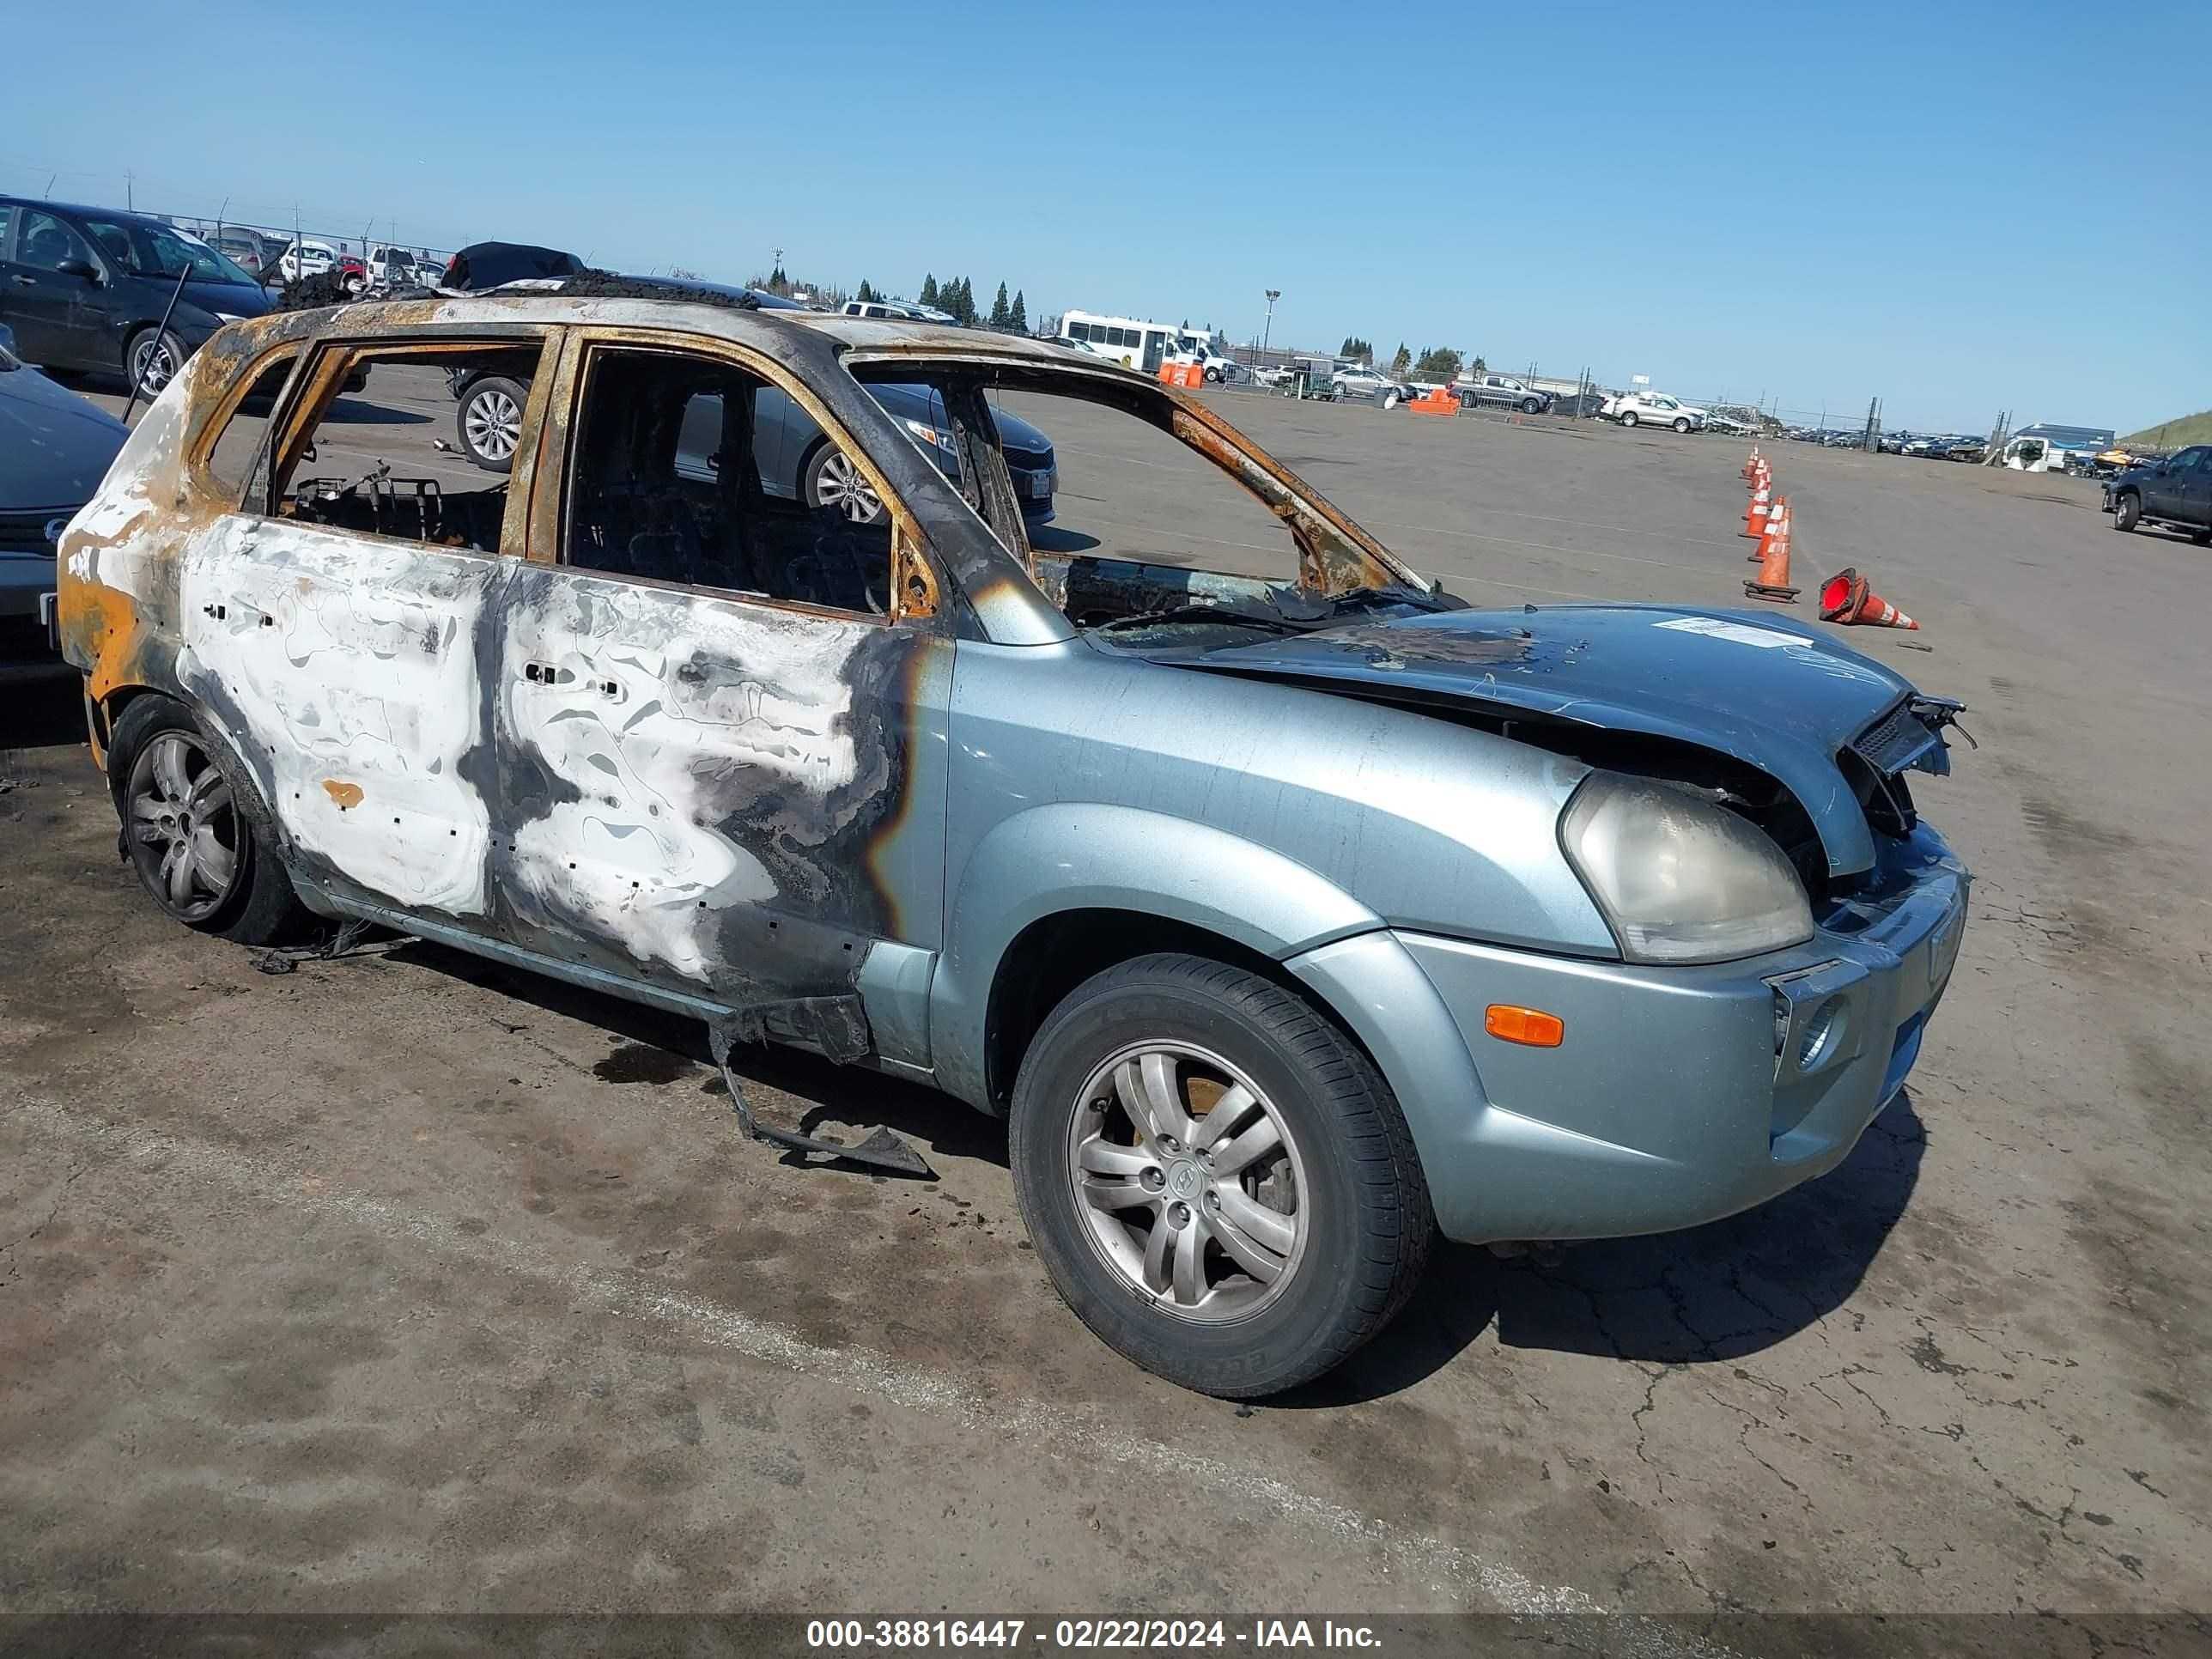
1716 421
1284 925
883 311
1366 380
2176 492
249 250
1961 449
87 289
55 448
1500 392
1654 409
307 257
395 267
795 460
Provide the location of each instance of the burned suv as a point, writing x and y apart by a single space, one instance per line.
1288 913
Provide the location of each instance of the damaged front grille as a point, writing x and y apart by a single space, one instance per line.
27 531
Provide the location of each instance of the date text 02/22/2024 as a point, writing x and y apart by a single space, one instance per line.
1263 1634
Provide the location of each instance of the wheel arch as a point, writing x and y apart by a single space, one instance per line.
1067 886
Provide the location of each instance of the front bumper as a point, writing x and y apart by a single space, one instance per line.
26 583
1678 1095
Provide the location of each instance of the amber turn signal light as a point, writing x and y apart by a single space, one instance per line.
1531 1025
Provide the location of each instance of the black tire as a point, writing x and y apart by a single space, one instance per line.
1681 423
1531 406
485 435
1628 417
2201 537
259 906
2127 510
1365 1202
1213 377
151 378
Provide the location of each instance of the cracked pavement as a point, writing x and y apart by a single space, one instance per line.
401 1282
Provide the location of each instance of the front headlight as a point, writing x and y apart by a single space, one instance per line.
936 436
1679 878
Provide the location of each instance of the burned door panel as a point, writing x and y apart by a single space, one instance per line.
738 796
346 667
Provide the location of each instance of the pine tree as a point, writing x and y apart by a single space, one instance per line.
777 282
1403 361
1018 317
929 295
865 294
964 302
999 309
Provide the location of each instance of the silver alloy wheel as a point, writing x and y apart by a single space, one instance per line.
1188 1182
154 364
184 831
839 484
494 424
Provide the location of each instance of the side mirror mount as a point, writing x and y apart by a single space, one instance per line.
83 268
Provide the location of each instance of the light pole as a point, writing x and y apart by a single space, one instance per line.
1267 332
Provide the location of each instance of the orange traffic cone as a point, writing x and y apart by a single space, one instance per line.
1772 581
1775 524
1755 512
1845 598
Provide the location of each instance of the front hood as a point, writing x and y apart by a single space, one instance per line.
54 446
1769 692
227 299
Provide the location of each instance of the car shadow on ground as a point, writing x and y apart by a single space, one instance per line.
1051 538
359 411
650 1045
1707 1296
43 706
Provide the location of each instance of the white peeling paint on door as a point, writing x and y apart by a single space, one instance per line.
662 709
351 664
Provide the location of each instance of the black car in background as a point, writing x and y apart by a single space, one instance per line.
55 448
87 287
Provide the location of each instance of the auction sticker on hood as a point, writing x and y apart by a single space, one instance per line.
1742 633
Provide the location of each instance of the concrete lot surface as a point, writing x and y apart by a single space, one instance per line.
401 1283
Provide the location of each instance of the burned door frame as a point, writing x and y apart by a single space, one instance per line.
342 662
722 800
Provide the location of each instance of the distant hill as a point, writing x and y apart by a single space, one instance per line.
2172 434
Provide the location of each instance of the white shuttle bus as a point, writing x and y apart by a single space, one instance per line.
1134 344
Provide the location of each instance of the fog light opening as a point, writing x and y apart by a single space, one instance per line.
1823 1032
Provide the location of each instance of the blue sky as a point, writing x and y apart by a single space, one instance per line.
1958 207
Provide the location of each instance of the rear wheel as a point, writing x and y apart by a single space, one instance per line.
1217 1179
489 422
1628 417
2201 537
203 857
2127 511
